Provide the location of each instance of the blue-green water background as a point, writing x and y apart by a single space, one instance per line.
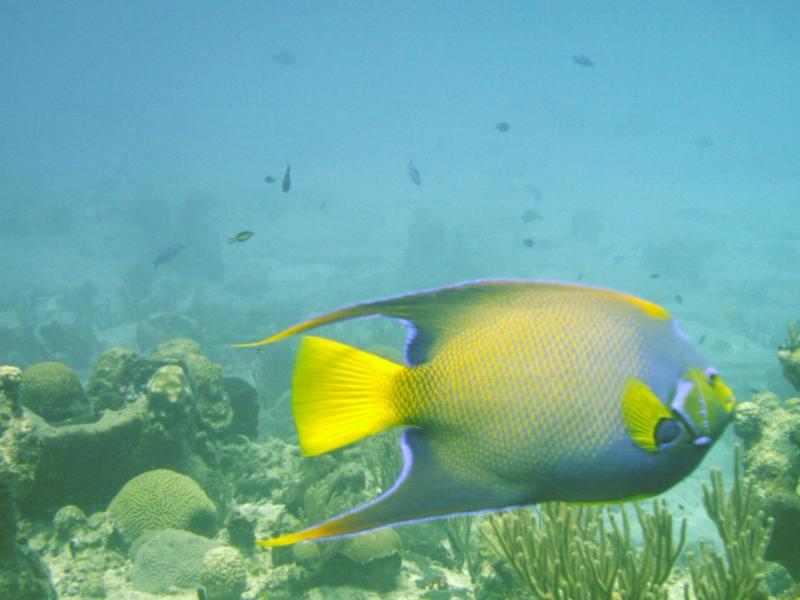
669 170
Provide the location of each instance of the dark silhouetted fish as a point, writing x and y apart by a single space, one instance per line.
528 242
530 215
502 126
654 275
167 254
270 179
678 298
583 60
287 179
414 174
242 236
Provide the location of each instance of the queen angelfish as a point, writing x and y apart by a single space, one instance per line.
514 392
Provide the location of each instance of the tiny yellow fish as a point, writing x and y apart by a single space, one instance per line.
242 236
515 392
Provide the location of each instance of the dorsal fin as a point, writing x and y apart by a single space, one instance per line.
434 315
430 315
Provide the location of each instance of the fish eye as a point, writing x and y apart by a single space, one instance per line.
667 431
711 375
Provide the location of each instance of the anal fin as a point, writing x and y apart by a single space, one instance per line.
423 491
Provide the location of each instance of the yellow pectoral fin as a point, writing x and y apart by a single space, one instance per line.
642 411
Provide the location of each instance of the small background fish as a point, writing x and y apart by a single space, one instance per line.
413 174
286 185
167 254
242 236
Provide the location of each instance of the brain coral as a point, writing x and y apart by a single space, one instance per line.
53 391
169 558
162 499
223 575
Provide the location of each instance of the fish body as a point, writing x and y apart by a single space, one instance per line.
583 60
515 392
242 236
270 179
530 215
286 184
502 127
413 174
167 254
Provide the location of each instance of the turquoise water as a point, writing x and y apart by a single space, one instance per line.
651 148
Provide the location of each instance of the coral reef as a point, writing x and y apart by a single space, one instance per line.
53 391
23 576
82 553
371 561
789 355
119 377
211 401
584 552
157 426
744 530
244 402
67 520
174 458
223 575
162 499
770 431
169 558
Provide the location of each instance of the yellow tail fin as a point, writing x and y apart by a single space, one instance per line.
340 395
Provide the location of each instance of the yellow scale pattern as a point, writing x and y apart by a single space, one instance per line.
531 390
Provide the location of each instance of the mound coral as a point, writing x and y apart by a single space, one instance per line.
169 558
162 499
223 575
53 391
